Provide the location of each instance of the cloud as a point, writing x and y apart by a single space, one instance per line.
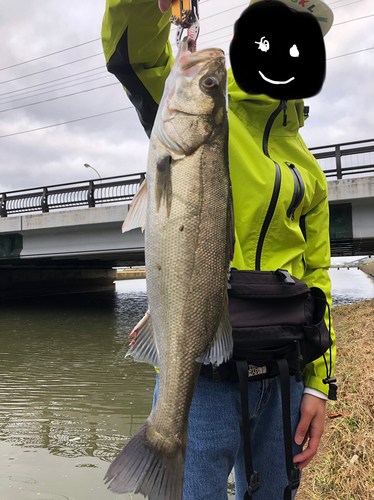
116 144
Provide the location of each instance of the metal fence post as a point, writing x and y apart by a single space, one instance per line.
45 207
90 195
338 159
3 212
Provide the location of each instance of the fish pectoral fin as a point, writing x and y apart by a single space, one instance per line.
222 346
137 214
231 230
143 345
163 183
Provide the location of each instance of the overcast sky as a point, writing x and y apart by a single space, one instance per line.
115 143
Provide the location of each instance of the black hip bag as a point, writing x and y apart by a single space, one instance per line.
278 328
273 316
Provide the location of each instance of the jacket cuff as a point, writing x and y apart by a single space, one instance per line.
313 382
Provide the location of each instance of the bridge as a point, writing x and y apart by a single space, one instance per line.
67 237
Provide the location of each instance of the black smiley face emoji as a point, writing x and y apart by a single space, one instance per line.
278 52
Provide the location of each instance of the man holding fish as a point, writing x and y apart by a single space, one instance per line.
280 205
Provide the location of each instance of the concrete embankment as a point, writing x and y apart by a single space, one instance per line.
130 275
368 268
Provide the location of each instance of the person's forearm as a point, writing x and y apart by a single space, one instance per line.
135 41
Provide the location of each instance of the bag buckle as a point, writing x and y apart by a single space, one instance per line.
294 480
254 484
287 278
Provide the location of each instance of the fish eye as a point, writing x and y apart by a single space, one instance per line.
294 51
210 83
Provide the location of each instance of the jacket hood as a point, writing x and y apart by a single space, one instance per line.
259 107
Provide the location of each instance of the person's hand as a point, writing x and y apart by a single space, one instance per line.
310 428
164 5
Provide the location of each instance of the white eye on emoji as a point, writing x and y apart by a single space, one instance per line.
263 45
294 51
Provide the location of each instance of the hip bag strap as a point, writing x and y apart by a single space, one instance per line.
251 475
293 472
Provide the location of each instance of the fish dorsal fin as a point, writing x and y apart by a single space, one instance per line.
222 346
143 346
163 183
137 214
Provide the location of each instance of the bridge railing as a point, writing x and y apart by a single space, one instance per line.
336 160
74 194
346 159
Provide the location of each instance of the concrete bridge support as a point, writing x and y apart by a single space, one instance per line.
352 216
25 281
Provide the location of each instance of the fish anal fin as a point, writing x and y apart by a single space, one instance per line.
163 183
137 214
143 346
222 345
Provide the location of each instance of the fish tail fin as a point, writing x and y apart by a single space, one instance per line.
143 468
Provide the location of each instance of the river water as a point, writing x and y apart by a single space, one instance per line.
69 401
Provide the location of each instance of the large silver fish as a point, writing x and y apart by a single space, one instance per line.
188 246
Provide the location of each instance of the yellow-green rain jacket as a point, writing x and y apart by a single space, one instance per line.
279 190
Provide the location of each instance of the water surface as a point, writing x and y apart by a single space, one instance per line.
69 401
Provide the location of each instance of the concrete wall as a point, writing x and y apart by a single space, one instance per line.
363 218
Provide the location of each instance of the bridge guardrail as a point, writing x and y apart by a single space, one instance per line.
344 159
74 194
336 160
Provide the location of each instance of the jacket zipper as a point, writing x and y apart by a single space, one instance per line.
299 190
277 184
270 122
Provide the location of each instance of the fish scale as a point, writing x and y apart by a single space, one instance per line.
187 207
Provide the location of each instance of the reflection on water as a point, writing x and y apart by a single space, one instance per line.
69 401
64 384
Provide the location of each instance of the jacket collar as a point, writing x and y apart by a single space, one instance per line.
256 110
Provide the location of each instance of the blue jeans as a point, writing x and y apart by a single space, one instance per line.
215 439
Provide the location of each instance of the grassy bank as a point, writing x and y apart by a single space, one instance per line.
344 466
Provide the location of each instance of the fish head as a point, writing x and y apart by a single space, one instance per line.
193 108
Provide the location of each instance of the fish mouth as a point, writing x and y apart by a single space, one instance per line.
276 82
172 113
200 58
188 58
